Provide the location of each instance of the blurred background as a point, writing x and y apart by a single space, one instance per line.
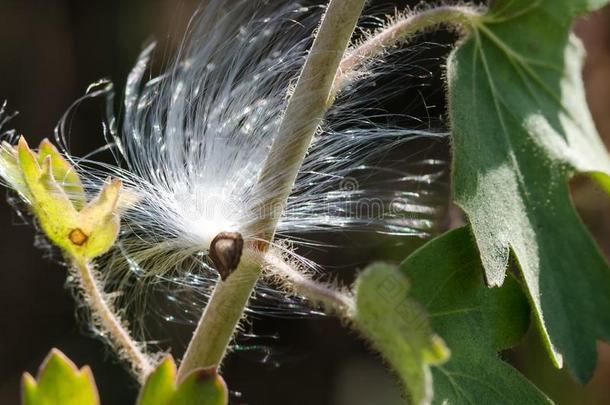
51 50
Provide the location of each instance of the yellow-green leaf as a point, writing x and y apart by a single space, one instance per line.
99 221
160 385
63 172
53 189
52 207
59 382
200 387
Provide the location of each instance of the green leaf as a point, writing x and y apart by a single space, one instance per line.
521 130
63 172
160 385
398 328
474 321
54 190
200 387
59 382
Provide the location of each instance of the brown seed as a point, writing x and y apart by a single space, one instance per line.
78 237
225 252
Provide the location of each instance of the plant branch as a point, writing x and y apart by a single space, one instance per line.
110 323
399 32
220 318
296 282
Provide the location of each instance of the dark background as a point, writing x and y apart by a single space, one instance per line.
51 50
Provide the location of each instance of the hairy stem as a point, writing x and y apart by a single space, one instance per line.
293 280
109 322
324 73
306 108
399 32
303 114
220 317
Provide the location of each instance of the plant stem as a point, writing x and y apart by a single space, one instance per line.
399 32
295 281
109 321
324 73
220 318
302 116
306 108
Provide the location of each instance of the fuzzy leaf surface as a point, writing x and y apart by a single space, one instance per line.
398 327
474 321
521 129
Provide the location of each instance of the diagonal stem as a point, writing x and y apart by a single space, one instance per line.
220 318
294 281
399 32
104 316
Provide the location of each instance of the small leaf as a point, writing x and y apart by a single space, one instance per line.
53 189
474 321
160 386
99 221
59 382
200 387
521 129
51 206
63 172
398 328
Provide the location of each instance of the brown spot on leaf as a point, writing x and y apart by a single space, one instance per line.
205 374
78 237
225 252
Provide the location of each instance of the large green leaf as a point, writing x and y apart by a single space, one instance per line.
521 130
398 327
59 382
474 321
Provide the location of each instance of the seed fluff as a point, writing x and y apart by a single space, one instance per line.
190 144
